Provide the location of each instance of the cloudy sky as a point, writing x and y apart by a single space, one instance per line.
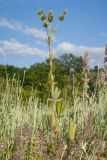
23 40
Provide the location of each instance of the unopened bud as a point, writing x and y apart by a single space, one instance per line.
61 17
46 24
40 12
51 16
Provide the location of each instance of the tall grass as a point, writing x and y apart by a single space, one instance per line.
16 114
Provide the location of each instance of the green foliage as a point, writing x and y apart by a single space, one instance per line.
36 76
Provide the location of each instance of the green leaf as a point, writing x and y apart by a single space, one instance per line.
59 108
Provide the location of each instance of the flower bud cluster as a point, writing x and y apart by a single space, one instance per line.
47 19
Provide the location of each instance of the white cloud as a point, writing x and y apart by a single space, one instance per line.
96 53
16 48
5 23
19 26
40 43
78 49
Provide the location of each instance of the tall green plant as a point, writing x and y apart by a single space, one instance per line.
47 21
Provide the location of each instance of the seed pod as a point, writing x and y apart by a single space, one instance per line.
40 12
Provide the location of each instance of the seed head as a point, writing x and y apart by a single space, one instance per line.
43 17
61 17
51 16
46 24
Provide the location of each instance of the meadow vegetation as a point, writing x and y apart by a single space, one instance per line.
62 117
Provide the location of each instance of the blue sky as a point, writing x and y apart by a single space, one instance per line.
22 39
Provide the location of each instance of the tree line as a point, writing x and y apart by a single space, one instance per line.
36 76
